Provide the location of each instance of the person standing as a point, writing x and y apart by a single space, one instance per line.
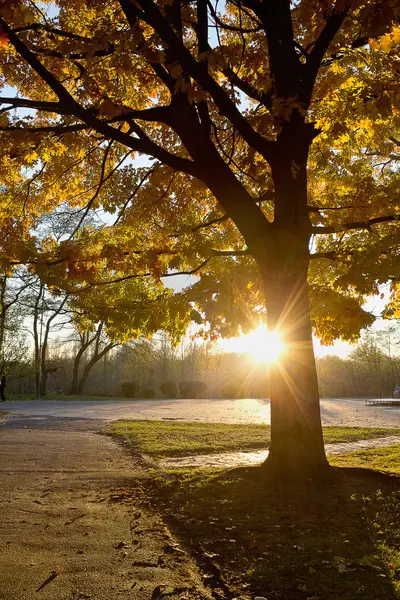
3 386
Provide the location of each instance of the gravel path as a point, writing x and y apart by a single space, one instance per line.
335 411
75 523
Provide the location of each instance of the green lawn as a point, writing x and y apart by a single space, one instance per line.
164 438
386 459
336 541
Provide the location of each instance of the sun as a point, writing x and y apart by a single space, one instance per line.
262 345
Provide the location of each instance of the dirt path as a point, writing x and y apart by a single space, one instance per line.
75 524
247 459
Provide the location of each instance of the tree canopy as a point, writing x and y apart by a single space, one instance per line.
103 86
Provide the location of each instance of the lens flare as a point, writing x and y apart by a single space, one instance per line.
262 345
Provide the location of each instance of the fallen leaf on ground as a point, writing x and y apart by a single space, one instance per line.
157 592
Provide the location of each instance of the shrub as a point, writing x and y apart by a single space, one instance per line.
192 389
148 393
232 389
129 389
169 389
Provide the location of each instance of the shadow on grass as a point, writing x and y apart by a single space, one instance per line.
337 541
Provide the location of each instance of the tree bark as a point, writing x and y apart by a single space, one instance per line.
3 314
44 371
297 446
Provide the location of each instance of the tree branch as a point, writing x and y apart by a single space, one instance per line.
138 275
152 16
54 107
324 40
211 222
71 106
317 230
245 252
59 129
328 255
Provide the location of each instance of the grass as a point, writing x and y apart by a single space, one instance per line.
162 439
386 459
338 541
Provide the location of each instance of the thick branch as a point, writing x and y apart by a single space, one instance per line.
325 38
152 15
327 255
211 222
284 62
54 107
314 60
58 129
355 225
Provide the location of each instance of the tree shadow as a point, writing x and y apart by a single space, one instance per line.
336 541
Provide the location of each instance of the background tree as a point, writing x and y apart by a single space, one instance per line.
13 346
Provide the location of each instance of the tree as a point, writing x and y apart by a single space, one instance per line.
13 348
100 346
247 125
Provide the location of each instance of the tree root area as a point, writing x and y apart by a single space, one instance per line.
337 538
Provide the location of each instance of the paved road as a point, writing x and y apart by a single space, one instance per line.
335 411
75 522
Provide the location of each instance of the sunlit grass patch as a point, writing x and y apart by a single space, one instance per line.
383 459
164 438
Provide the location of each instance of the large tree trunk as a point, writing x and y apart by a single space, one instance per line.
296 434
281 250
